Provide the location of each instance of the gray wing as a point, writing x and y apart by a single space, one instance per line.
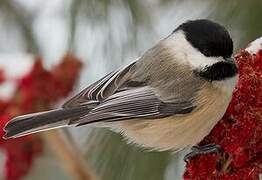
121 96
131 103
101 89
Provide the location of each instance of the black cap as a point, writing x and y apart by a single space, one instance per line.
210 38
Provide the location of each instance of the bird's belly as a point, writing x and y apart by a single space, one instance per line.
175 132
172 133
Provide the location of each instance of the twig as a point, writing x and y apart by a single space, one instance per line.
69 156
227 162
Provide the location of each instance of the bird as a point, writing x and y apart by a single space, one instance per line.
169 98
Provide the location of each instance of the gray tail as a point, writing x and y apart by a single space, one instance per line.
35 122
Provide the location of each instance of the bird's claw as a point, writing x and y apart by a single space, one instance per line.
205 149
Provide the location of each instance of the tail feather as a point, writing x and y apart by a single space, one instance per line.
35 122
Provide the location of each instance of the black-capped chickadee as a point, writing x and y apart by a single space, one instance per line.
168 99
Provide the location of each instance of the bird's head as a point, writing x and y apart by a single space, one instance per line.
206 46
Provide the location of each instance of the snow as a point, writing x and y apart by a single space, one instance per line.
15 66
255 46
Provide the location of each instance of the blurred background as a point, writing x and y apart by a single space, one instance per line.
106 34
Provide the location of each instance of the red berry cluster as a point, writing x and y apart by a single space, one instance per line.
36 91
239 133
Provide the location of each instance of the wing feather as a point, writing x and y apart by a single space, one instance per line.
101 89
123 95
133 103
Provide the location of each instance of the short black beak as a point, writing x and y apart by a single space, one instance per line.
230 59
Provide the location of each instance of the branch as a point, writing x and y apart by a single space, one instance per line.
69 156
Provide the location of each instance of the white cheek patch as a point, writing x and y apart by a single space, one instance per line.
185 53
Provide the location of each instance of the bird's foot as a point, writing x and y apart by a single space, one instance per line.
205 149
